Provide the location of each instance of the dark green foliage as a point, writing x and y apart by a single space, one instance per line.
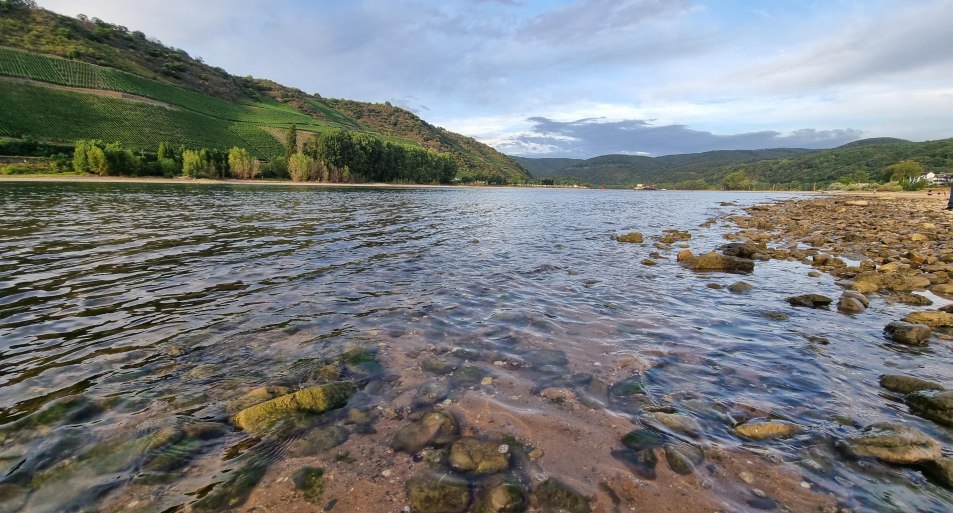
291 141
97 157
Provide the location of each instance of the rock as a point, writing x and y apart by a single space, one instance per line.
909 299
896 281
906 384
810 301
479 457
467 375
441 364
742 250
648 262
853 294
740 287
558 395
684 255
309 481
713 262
940 471
438 493
256 396
555 497
934 405
434 428
715 286
503 497
643 439
765 429
234 489
673 236
682 458
908 333
319 440
850 305
431 393
892 443
319 399
641 462
677 422
634 237
857 203
630 387
933 319
942 289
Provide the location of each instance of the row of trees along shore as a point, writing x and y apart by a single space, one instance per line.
337 156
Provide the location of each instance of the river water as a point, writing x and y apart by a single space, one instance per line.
134 317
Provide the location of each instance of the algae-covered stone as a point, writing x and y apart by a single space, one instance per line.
641 462
431 393
317 399
933 405
319 440
256 396
677 422
765 429
908 333
810 301
682 458
643 439
234 491
503 497
437 428
467 375
934 319
555 497
438 493
740 287
479 457
310 482
906 384
892 443
713 262
634 237
940 471
629 387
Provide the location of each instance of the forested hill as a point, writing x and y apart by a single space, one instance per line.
861 161
63 79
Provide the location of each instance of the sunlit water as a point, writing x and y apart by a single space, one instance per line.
129 308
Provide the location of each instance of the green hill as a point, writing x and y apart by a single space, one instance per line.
63 79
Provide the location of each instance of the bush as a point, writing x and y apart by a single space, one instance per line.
890 187
16 169
917 185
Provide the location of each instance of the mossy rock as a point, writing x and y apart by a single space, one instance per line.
713 262
319 440
555 497
633 237
643 439
505 496
478 457
310 482
443 493
235 490
628 388
467 376
260 418
434 428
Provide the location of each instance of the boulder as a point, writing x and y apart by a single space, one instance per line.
634 237
934 319
555 497
479 457
940 471
908 333
434 428
682 458
676 421
943 289
505 496
906 384
765 429
932 404
810 301
892 443
713 262
740 287
319 399
684 255
741 249
438 493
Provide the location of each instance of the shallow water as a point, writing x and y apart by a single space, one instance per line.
129 309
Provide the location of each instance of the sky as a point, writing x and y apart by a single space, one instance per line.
581 78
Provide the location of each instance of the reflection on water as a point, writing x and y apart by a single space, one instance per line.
137 319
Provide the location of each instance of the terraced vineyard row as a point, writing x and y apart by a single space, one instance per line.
67 116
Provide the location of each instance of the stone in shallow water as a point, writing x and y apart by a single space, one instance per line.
431 393
892 443
682 458
309 481
940 471
740 287
318 440
441 364
503 497
906 384
434 428
765 429
438 493
634 237
630 387
467 376
908 333
810 301
479 457
234 491
934 319
555 497
713 262
676 421
909 299
260 418
643 439
933 405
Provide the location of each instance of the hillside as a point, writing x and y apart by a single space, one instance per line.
63 79
628 170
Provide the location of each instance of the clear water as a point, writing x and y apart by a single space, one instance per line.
129 308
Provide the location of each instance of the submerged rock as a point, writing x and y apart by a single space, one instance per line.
907 298
677 422
810 301
434 428
555 497
892 443
319 440
740 287
908 333
309 481
641 462
479 457
934 319
765 429
467 376
438 493
431 393
643 439
503 497
934 405
441 364
236 488
319 399
682 458
940 471
713 262
906 384
634 237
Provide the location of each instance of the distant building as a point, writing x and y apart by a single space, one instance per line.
939 179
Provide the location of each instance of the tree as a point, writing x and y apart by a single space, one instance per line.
97 160
302 167
736 181
291 141
905 171
195 164
242 164
80 157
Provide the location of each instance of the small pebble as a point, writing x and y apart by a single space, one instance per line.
387 472
487 380
758 493
747 477
805 484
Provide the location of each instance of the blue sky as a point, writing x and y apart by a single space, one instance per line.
579 78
